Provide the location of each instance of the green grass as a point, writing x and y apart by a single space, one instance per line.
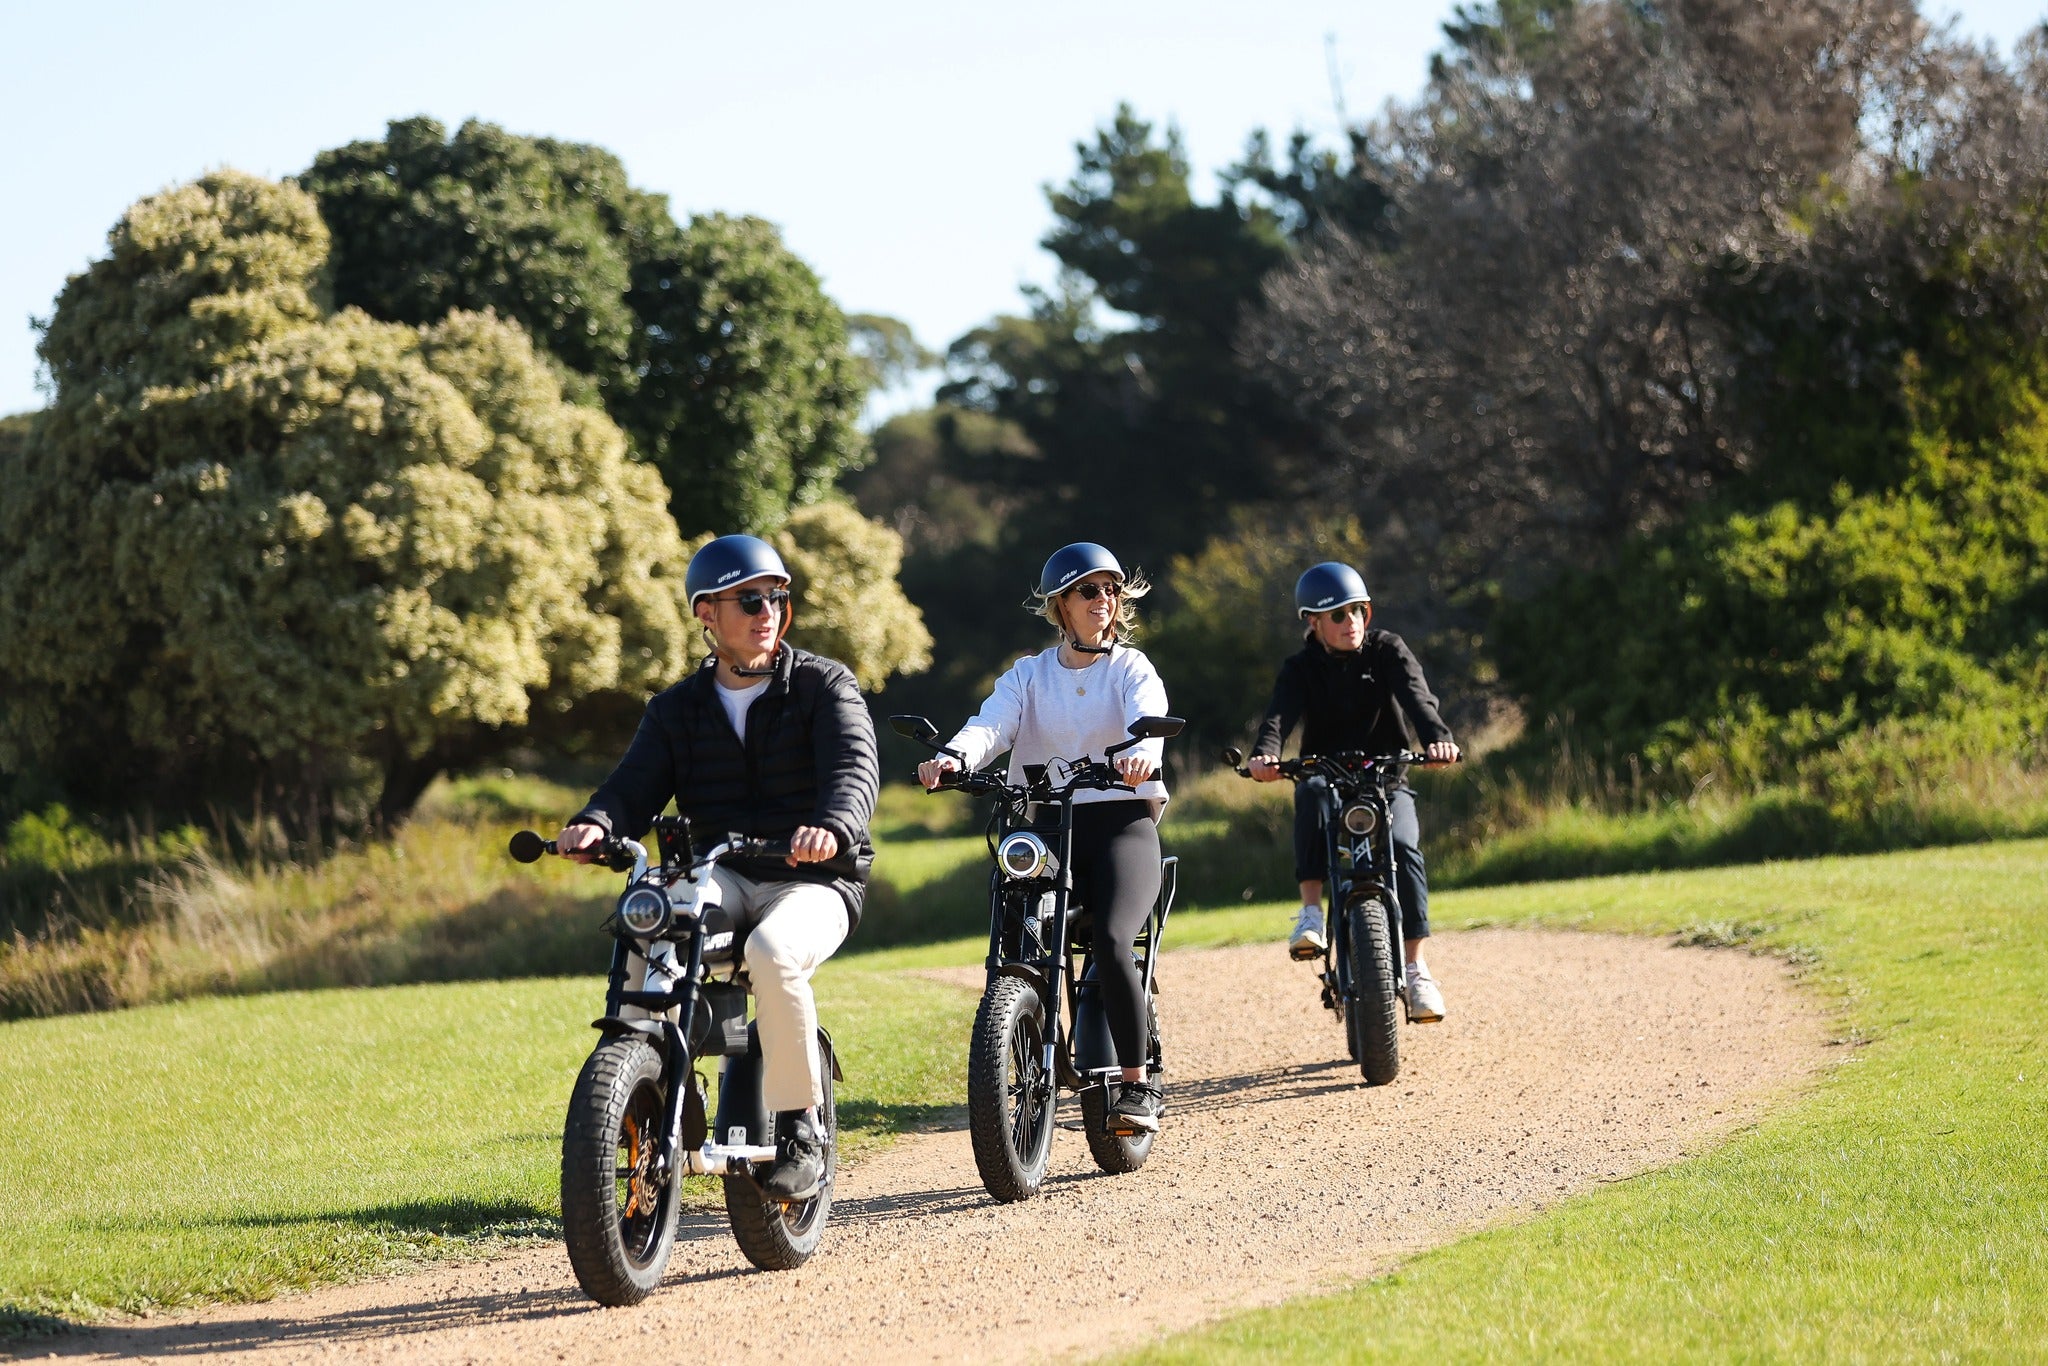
232 1147
1898 1212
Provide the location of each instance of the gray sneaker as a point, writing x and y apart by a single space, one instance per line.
1138 1107
1307 941
1425 998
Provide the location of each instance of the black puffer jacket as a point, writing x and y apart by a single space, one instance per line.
809 759
1364 700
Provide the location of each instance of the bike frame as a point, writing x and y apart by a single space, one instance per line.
1356 864
1053 969
686 1147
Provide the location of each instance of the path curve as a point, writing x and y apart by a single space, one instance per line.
1566 1060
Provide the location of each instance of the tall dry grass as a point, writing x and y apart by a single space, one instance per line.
439 901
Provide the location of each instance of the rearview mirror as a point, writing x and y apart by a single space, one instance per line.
1234 756
914 728
1157 727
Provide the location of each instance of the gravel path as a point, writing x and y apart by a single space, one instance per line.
1566 1060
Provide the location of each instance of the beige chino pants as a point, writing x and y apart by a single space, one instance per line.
801 925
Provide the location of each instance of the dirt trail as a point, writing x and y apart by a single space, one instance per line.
1566 1060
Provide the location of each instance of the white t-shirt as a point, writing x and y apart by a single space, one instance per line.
1041 709
736 702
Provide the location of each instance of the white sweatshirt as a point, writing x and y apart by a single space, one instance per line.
1041 709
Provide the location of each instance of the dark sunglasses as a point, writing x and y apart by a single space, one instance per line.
753 600
1349 609
1091 591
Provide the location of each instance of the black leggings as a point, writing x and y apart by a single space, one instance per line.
1116 877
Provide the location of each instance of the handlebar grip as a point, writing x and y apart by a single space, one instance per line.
765 849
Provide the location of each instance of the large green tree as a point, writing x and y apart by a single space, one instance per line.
258 545
711 344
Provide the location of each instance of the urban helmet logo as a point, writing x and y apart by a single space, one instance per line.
729 575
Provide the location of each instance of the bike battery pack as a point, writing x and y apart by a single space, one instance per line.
719 1027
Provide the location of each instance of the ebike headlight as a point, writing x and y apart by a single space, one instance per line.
1359 818
1023 854
644 911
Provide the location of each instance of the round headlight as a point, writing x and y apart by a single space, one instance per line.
1359 818
1023 854
644 911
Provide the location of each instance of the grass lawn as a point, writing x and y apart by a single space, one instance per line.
1899 1212
230 1147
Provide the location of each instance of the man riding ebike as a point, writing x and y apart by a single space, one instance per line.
1354 689
772 742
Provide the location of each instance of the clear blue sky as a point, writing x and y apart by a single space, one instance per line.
902 148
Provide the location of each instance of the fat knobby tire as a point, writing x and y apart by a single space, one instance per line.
1011 1151
621 1077
778 1237
1375 1027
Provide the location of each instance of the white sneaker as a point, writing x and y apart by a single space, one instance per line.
1307 941
1425 998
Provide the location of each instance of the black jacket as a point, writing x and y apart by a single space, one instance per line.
809 759
1365 700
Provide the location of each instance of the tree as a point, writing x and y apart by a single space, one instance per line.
1234 617
750 398
1113 407
258 546
712 345
1534 375
1149 398
843 571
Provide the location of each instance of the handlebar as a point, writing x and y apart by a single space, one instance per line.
620 855
1312 765
1090 774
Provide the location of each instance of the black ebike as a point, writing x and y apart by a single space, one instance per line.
1041 1027
1364 967
637 1123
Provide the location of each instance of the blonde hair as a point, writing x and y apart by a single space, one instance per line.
1121 631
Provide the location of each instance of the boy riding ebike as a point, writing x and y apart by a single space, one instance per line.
1350 688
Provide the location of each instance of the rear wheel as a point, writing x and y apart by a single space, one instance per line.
775 1236
1373 1027
1010 1095
618 1212
1120 1153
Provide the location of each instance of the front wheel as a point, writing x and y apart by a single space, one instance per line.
618 1212
772 1235
1010 1097
1374 1030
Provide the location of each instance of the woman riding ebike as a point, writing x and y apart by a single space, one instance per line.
1088 695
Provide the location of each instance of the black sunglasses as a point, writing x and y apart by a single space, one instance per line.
1091 591
753 600
1348 610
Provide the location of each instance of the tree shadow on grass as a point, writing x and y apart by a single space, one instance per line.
413 1218
26 1325
870 1116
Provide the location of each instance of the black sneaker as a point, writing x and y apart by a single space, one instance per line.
800 1157
1137 1107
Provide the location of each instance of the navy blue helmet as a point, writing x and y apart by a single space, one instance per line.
730 560
1328 586
1072 562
